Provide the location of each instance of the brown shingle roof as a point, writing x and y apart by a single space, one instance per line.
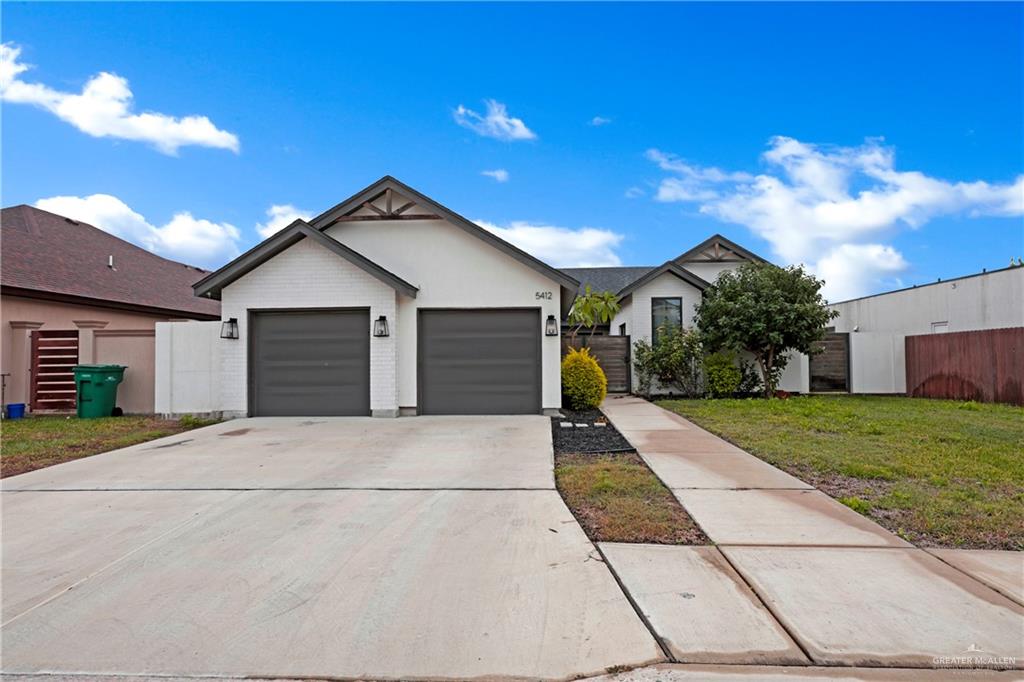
44 252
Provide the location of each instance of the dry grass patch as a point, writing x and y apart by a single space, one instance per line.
616 498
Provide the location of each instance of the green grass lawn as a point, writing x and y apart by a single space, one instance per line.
37 442
616 498
937 472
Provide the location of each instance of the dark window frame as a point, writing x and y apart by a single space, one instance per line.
654 323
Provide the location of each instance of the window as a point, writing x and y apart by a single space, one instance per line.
666 313
940 327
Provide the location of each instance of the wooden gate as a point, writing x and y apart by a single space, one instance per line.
54 354
612 353
985 365
830 369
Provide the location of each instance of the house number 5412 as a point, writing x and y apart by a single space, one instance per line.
545 295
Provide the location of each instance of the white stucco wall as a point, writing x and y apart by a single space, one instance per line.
307 275
187 377
453 269
709 272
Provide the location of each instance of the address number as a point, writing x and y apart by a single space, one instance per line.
545 295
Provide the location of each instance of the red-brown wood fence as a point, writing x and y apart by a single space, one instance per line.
986 365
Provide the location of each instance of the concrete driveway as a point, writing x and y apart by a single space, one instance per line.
409 548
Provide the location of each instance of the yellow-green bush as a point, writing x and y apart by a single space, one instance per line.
584 384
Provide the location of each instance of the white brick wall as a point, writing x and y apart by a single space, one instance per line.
307 275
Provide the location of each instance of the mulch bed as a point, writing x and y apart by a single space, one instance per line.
589 439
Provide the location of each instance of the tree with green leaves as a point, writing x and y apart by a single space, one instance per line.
767 311
592 309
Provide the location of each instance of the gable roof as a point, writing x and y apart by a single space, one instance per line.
718 249
356 201
46 255
212 284
669 267
612 279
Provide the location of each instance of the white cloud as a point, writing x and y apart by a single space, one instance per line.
849 270
280 216
499 174
496 123
634 192
819 204
600 121
103 109
561 247
185 238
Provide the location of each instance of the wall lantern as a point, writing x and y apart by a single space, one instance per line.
551 326
229 328
380 326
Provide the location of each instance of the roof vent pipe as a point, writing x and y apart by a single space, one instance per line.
110 262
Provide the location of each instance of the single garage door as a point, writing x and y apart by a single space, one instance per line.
479 361
310 363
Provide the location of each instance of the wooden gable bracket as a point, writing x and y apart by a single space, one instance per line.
389 212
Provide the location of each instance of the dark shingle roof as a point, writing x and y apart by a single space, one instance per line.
45 252
613 279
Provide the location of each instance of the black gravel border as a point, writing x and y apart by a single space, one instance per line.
590 440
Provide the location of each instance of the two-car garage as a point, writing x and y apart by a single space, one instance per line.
317 362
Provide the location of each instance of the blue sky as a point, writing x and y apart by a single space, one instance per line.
882 145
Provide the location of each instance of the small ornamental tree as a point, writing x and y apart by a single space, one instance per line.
767 311
591 309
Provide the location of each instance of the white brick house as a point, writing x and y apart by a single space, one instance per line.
387 303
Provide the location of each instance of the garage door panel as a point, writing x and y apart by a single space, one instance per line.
311 363
479 361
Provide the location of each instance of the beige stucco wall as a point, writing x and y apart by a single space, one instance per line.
102 338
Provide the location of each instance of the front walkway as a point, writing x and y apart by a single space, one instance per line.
798 578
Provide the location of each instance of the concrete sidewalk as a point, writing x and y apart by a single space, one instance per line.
844 589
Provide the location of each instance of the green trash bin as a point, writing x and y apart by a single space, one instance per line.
96 389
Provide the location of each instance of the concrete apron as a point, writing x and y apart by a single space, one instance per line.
353 583
847 591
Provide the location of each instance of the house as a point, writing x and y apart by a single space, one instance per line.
387 303
867 349
667 295
72 293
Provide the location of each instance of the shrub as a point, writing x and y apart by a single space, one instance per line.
674 362
584 384
750 379
721 375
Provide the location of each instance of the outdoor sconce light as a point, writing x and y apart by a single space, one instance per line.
551 326
380 326
229 328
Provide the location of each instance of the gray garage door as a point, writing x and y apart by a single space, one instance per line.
479 362
307 363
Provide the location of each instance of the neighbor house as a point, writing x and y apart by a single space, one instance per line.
72 293
389 303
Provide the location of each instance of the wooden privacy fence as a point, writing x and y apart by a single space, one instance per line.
985 365
612 353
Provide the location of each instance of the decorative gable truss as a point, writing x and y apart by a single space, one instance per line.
718 249
387 204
